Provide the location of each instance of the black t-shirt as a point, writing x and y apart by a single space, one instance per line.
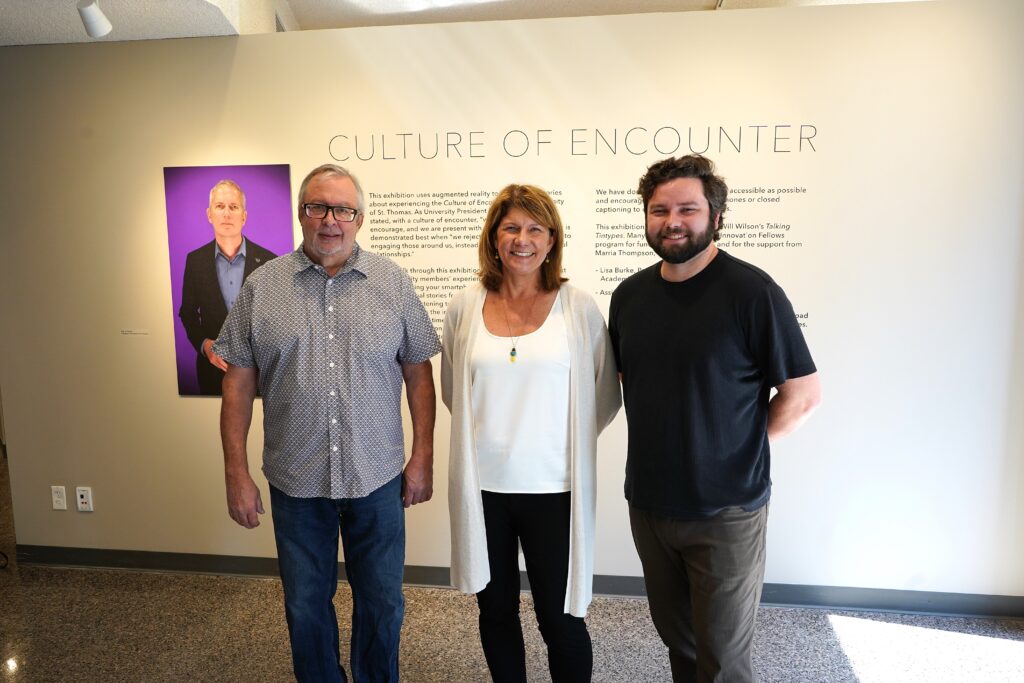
698 360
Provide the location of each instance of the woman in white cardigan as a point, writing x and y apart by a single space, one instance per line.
528 374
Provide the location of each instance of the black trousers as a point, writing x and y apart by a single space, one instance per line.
540 523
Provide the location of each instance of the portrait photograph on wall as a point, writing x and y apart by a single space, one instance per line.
223 222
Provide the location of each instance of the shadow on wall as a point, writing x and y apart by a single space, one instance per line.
1011 504
7 540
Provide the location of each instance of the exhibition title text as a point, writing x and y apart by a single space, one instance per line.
781 138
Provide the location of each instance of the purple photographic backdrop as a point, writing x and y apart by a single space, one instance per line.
187 190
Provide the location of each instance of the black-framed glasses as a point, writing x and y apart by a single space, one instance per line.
342 214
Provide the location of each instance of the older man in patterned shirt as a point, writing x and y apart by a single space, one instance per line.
328 333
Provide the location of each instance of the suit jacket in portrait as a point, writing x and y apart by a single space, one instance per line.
202 306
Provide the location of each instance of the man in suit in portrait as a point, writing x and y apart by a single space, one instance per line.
213 277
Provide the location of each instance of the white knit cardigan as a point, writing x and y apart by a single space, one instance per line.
594 399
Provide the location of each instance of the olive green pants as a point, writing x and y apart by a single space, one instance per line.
704 581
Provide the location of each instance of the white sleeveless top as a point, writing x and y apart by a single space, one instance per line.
521 409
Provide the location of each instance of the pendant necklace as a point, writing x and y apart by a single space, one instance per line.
512 355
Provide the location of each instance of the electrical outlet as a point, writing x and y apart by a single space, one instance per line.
59 497
84 496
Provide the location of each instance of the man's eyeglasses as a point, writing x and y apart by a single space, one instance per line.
342 214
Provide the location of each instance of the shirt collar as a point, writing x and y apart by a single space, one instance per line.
358 261
217 252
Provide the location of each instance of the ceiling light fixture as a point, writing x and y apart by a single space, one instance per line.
95 21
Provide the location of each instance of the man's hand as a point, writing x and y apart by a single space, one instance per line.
215 360
244 501
418 480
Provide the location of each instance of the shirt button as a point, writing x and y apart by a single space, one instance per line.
334 448
332 393
330 308
330 282
330 336
331 364
334 420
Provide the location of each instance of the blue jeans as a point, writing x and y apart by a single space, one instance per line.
373 536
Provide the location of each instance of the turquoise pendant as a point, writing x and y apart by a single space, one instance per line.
512 355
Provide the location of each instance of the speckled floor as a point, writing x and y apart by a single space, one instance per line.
64 624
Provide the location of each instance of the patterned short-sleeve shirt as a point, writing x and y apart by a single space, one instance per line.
329 352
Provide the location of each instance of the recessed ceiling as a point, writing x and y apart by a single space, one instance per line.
33 22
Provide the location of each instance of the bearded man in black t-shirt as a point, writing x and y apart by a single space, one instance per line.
702 339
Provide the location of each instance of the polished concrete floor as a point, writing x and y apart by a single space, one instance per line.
67 624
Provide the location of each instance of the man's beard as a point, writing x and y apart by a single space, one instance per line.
681 253
319 248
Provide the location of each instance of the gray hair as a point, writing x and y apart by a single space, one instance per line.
227 183
332 170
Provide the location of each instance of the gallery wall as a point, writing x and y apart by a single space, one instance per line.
876 155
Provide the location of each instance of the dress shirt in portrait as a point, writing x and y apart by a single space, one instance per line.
230 273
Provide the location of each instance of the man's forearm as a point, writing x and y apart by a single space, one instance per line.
244 502
418 477
419 381
238 392
792 405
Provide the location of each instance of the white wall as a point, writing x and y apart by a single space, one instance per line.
910 475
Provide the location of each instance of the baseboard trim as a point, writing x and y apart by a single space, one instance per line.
888 600
774 594
147 561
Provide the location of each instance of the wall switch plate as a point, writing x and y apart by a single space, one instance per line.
83 494
59 497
